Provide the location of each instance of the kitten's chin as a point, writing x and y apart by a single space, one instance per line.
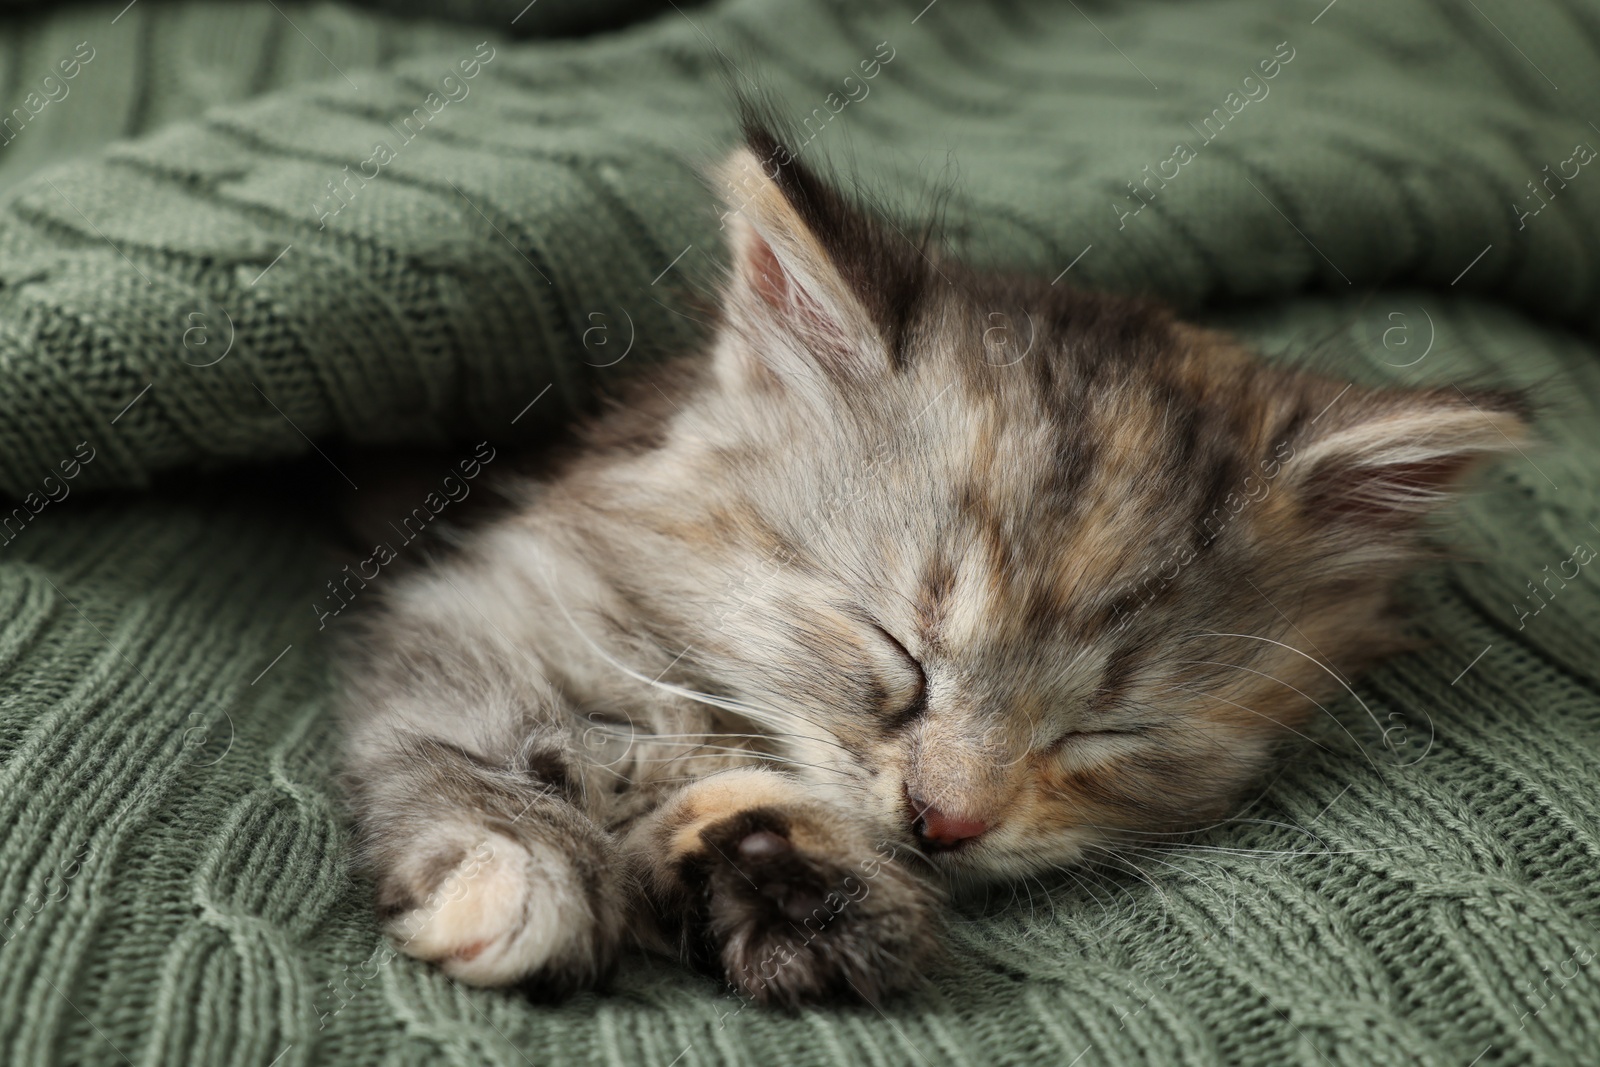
968 868
980 864
974 879
966 872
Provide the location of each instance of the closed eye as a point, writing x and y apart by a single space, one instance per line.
909 697
1089 737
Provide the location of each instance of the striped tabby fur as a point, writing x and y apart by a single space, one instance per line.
919 578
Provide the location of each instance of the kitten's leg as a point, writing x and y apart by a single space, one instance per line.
489 868
798 898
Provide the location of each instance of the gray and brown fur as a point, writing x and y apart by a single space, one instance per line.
1047 561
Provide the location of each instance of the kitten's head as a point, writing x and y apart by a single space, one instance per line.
1021 569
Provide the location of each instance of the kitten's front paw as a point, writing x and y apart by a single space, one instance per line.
799 913
510 911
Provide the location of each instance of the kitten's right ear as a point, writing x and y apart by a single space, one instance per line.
793 310
803 296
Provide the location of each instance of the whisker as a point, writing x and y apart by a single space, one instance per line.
1078 877
1242 707
1225 850
1320 707
1182 840
1330 672
1132 868
764 716
752 753
771 716
1189 874
634 734
1046 891
1079 873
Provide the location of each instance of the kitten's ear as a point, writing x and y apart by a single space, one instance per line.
1386 458
804 294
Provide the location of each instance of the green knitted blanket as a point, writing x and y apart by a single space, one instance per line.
236 239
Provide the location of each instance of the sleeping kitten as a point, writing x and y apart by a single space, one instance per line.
870 600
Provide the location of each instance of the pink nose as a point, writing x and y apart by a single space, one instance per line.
937 830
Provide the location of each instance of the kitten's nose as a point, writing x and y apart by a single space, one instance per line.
937 830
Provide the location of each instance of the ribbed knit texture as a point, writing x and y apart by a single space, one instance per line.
1421 888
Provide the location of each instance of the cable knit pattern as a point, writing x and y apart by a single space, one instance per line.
1417 888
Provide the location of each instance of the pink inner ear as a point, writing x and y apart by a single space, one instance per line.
773 284
767 276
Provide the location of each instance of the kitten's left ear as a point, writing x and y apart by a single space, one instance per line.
1386 458
813 279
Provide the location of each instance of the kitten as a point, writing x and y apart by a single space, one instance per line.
868 601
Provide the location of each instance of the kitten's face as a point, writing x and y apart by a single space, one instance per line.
1019 570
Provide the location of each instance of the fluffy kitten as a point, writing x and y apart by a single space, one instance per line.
918 576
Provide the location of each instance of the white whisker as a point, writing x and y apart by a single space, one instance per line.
1329 671
754 754
761 716
1242 707
1132 868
